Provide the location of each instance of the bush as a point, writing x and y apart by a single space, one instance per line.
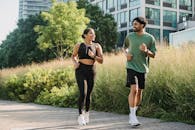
28 87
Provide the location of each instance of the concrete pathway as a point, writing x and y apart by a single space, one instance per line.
29 116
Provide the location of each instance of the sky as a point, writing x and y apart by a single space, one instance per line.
8 17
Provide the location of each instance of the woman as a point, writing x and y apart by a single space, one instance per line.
84 56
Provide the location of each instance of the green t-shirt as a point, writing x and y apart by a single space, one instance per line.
139 60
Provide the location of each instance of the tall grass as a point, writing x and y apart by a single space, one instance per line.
20 70
169 92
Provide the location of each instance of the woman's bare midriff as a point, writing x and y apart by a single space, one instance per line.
87 61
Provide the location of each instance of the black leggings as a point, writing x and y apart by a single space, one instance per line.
84 72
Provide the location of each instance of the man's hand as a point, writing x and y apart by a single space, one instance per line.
129 57
143 47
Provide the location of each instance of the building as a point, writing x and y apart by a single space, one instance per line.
163 15
32 7
182 37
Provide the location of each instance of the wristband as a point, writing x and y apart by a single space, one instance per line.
147 51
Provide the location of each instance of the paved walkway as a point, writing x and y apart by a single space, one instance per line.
29 116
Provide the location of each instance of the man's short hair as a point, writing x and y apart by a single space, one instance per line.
140 20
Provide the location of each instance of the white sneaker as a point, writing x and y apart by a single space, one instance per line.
81 120
86 116
133 121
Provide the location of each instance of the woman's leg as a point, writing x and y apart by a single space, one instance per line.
80 82
90 84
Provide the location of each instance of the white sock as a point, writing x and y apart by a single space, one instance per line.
136 108
133 111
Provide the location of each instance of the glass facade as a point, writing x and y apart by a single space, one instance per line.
132 14
154 32
134 3
170 3
153 11
122 36
169 18
153 16
122 19
122 4
153 2
185 5
184 16
112 5
166 35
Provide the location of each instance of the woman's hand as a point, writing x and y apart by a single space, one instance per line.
76 65
91 54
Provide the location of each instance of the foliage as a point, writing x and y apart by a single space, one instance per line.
28 87
65 26
20 46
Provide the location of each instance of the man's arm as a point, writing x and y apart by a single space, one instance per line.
148 52
125 48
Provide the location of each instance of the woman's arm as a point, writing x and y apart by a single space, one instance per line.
99 56
74 56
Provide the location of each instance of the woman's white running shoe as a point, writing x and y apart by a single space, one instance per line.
86 117
81 120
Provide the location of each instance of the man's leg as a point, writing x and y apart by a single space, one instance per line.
141 86
139 97
132 105
132 96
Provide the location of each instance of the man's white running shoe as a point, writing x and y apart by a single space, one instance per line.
133 121
81 120
86 117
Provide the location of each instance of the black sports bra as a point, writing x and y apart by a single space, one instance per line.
83 51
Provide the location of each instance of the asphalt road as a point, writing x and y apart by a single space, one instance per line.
29 116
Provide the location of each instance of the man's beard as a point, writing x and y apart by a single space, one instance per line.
136 30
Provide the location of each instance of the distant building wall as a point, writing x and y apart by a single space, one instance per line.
182 37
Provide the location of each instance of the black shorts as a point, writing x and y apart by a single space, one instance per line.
131 78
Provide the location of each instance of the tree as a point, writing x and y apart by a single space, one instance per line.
104 25
65 26
20 46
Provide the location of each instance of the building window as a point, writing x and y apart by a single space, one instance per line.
170 3
122 36
194 6
153 2
166 35
184 16
153 16
133 14
185 5
154 32
122 19
115 17
122 4
134 3
169 18
111 5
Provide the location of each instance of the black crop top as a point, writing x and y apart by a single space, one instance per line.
83 51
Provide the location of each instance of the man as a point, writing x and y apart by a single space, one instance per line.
138 47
